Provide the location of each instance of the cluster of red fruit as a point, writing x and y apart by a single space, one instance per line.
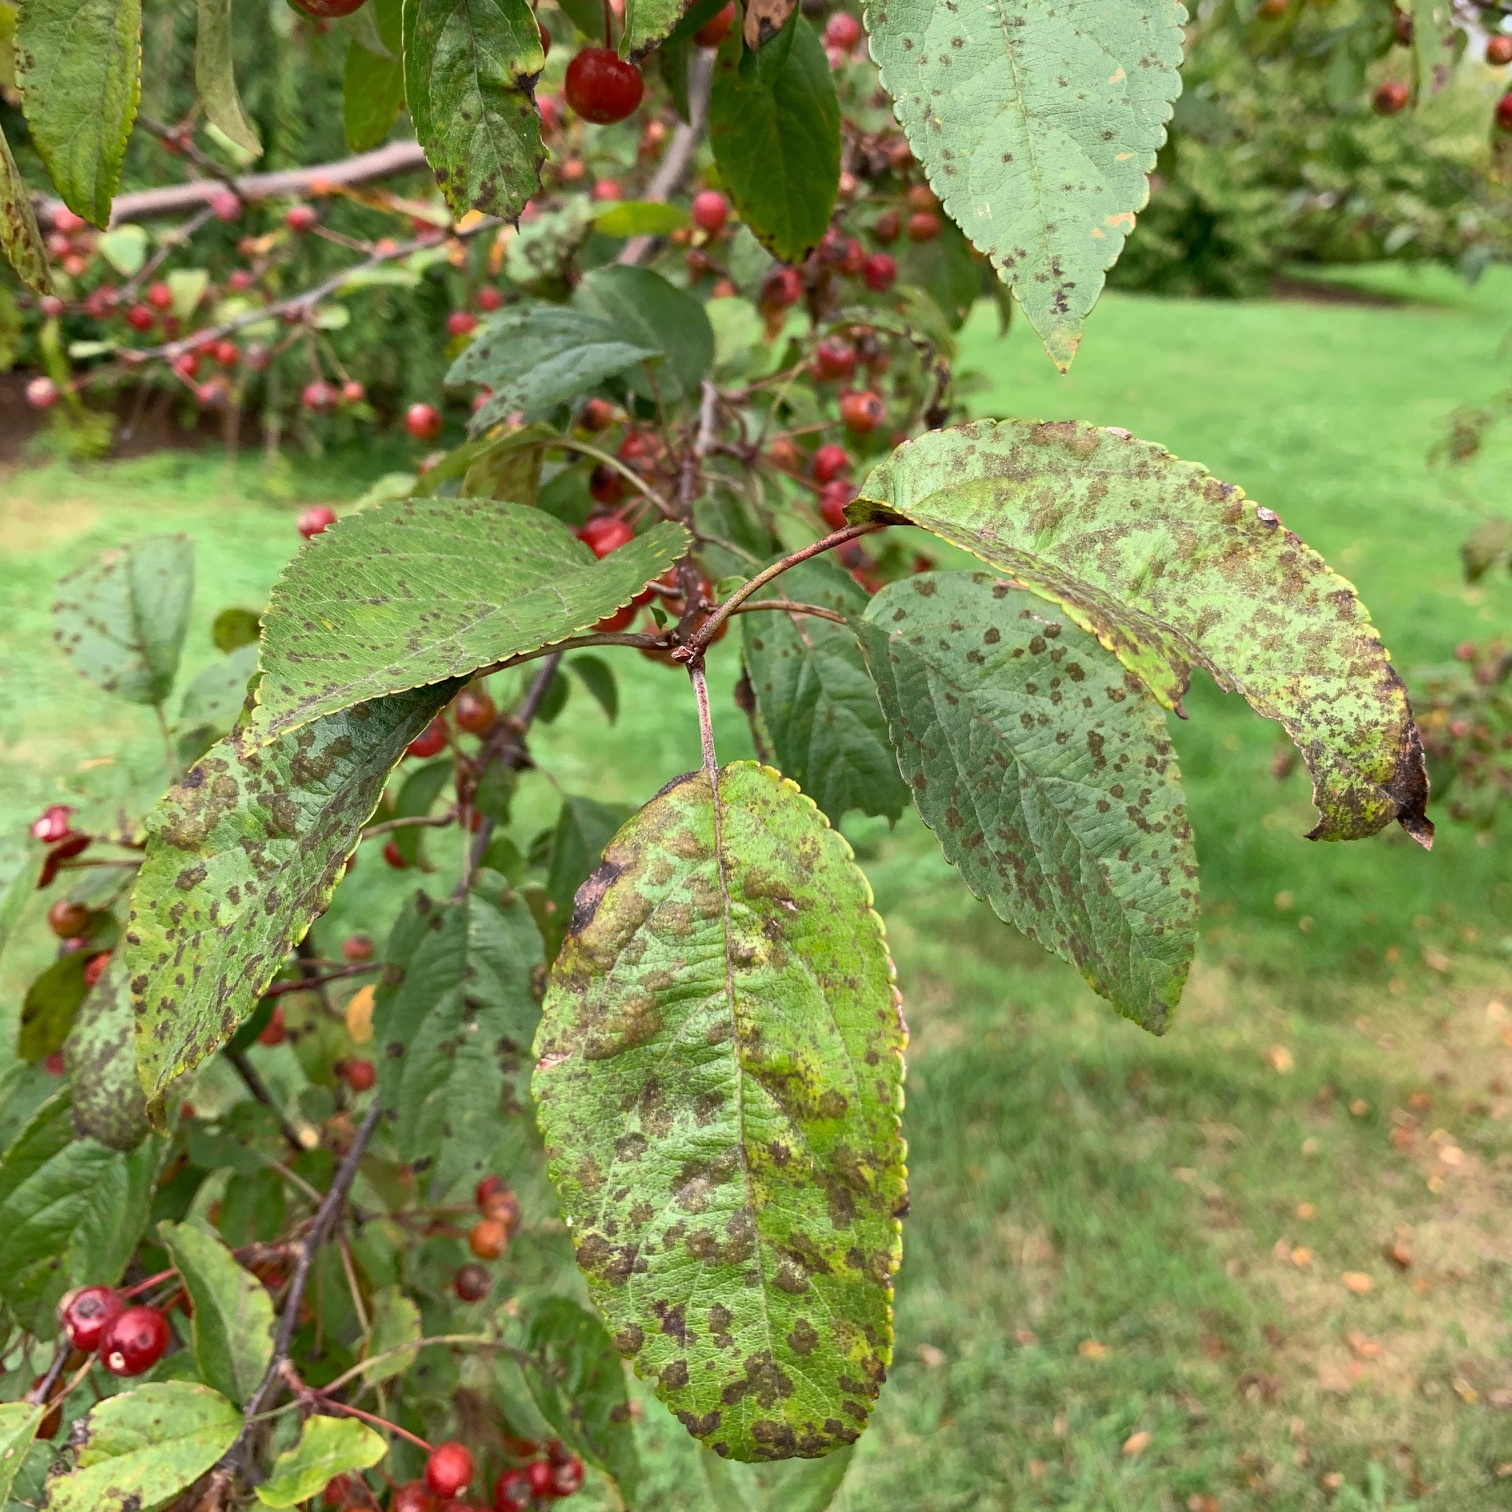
449 1471
498 1224
1392 96
128 1340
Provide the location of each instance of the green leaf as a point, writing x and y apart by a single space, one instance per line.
20 237
648 22
216 696
774 123
416 799
143 1446
469 73
19 1422
1037 126
242 854
48 1009
1045 771
597 676
188 286
71 1211
233 1313
583 828
1438 43
79 65
372 86
1171 570
535 357
24 869
796 1486
817 700
735 1210
121 618
578 1384
639 218
215 76
452 1027
125 249
508 466
412 592
396 1325
100 1055
644 308
327 1447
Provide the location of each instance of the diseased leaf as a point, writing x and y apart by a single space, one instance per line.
215 76
583 828
232 1321
774 123
1438 43
648 22
735 1211
578 1384
817 700
644 308
1171 570
100 1055
121 618
79 65
327 1447
242 854
141 1447
1045 771
1037 126
71 1212
49 1007
796 1486
470 68
452 1027
19 1422
535 357
412 592
20 236
396 1325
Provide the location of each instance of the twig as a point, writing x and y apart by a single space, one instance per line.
699 640
259 1089
479 1341
312 980
54 1372
429 821
170 244
368 1417
787 606
680 150
183 144
705 727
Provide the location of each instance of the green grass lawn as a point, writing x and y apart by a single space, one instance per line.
1123 1289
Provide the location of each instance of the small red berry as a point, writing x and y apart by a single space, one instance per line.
607 192
357 948
621 619
42 393
319 397
512 1491
488 1239
274 1032
159 296
710 211
487 1189
316 520
227 353
834 360
67 222
923 226
489 299
603 533
601 87
133 1341
461 323
414 1496
341 1492
84 1312
566 1476
472 1282
140 318
54 1064
394 856
300 218
52 306
1504 112
1499 51
449 1468
833 498
605 485
716 28
359 1075
476 711
542 1478
431 741
225 206
94 967
598 414
423 421
185 365
879 272
52 823
861 410
240 280
781 288
842 30
1390 97
829 462
67 919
